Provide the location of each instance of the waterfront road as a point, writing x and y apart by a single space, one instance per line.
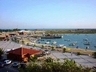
83 60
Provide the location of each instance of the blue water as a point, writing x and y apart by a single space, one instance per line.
78 38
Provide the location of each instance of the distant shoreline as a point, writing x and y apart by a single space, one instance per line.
72 31
56 31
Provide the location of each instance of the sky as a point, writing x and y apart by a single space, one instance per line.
40 14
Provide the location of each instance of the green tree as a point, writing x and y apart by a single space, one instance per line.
49 59
33 58
1 52
54 66
94 54
52 48
64 50
42 46
78 53
34 45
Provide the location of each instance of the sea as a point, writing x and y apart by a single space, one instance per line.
79 40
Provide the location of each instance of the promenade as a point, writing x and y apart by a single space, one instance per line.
83 60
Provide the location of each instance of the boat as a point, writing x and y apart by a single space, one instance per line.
86 43
60 45
51 36
72 44
67 40
47 42
54 42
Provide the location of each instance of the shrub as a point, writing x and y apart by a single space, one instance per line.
94 54
42 46
52 48
78 53
64 50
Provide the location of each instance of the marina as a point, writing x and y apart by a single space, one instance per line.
74 40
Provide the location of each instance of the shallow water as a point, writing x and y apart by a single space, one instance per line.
78 39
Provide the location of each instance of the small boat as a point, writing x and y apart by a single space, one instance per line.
72 44
60 45
54 42
86 43
47 42
67 40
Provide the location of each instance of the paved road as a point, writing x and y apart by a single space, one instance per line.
84 60
8 68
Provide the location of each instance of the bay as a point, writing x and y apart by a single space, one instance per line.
78 39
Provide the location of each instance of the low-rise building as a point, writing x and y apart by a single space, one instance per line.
22 54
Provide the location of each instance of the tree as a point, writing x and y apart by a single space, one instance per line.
78 53
94 54
42 46
34 45
1 52
33 58
49 59
54 66
52 48
64 50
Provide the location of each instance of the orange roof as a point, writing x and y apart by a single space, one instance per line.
23 51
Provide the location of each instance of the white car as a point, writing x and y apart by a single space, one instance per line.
7 61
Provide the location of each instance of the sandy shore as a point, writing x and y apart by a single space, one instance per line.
75 50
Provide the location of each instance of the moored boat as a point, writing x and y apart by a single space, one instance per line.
51 36
86 43
54 42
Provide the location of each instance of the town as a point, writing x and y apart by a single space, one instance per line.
19 49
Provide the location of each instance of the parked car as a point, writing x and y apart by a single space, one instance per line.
7 62
1 64
16 64
46 52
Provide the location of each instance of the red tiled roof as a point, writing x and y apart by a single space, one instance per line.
22 51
